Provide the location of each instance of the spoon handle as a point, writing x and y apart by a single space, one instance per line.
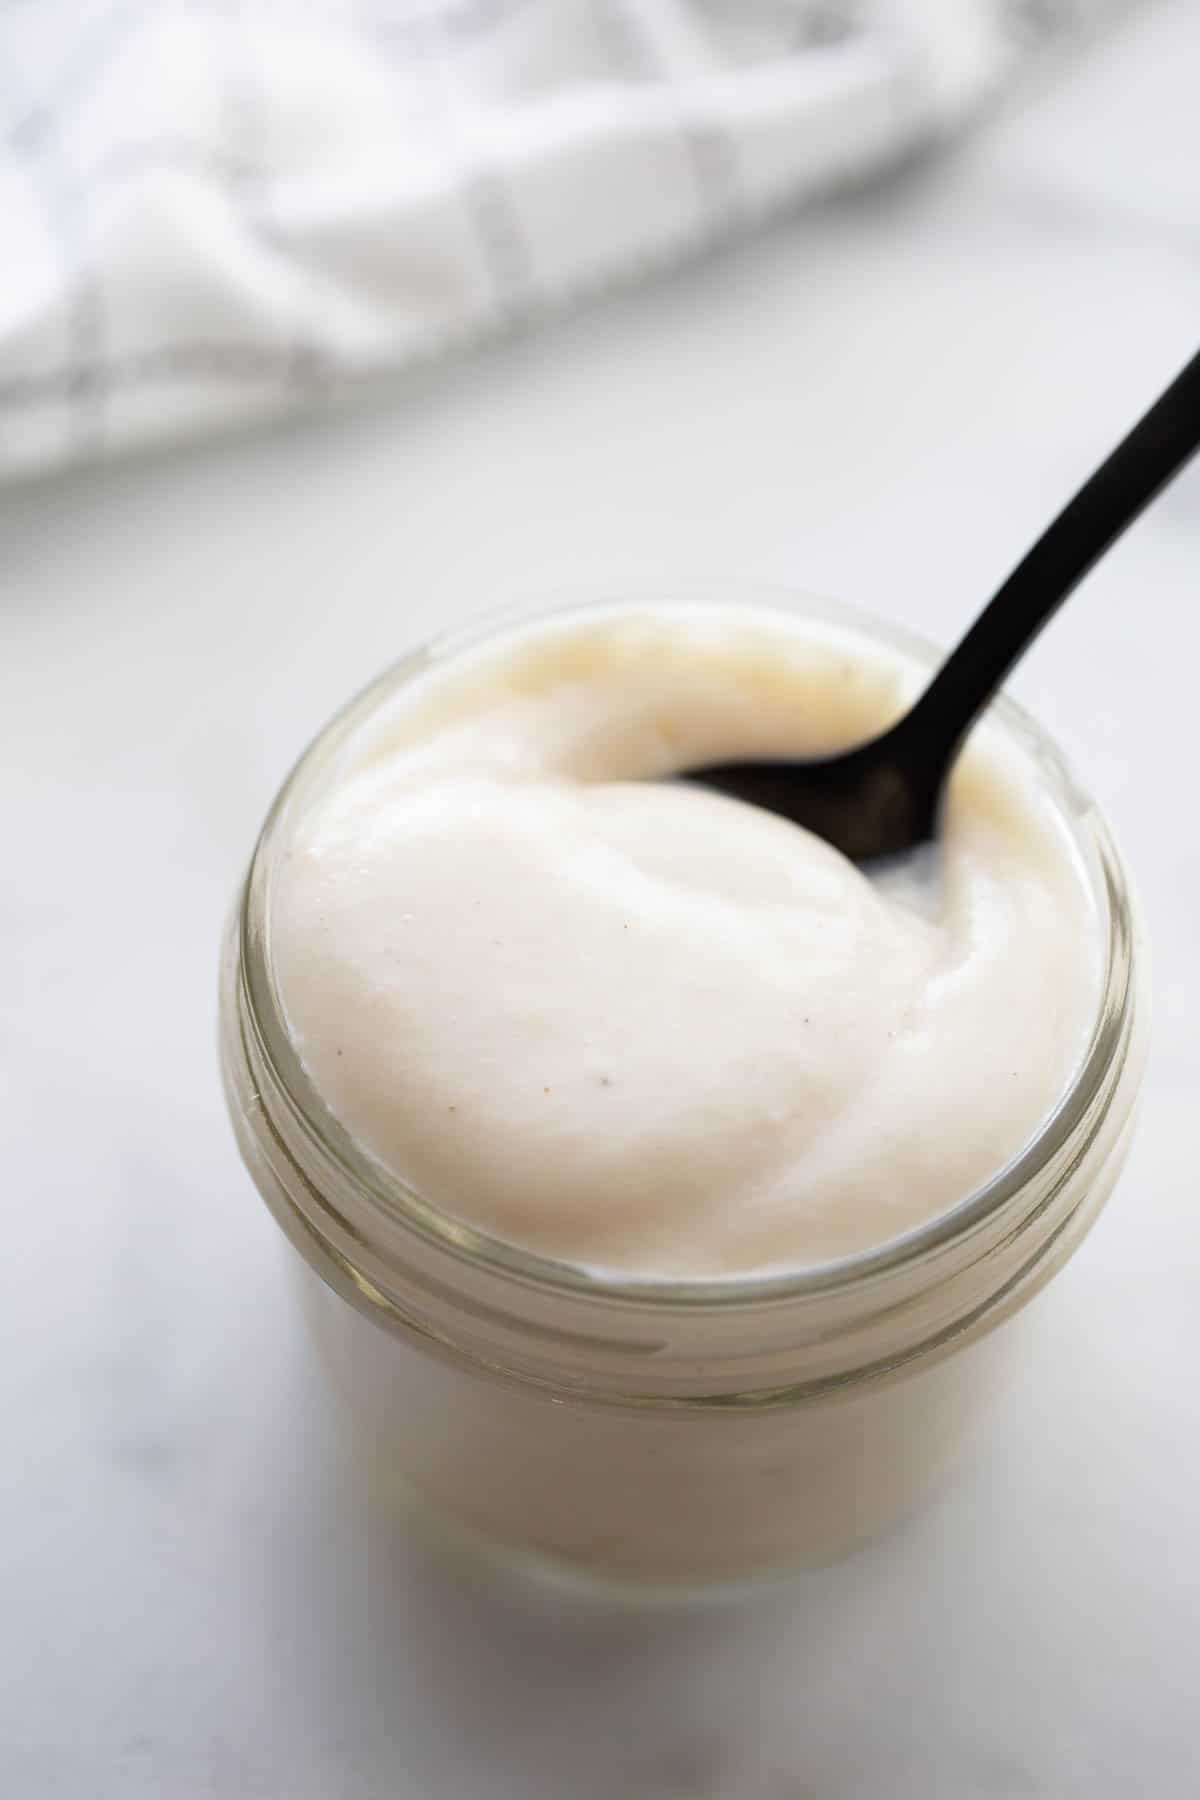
1142 464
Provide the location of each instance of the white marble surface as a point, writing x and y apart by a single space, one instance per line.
882 400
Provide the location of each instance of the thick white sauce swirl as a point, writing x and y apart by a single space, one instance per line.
630 1024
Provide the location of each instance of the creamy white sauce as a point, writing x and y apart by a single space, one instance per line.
630 1024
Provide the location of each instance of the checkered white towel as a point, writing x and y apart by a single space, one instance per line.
214 210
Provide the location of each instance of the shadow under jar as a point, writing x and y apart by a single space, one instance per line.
678 1432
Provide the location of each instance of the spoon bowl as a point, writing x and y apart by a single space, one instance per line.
876 800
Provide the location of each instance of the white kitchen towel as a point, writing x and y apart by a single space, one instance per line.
215 210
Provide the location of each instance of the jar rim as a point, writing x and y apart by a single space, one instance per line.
397 1202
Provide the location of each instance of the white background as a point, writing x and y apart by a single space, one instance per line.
883 400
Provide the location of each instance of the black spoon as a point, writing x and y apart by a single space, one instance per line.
882 797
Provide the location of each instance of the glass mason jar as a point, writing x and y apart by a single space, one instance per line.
681 1432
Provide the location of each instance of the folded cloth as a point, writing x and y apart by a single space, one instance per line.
214 211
